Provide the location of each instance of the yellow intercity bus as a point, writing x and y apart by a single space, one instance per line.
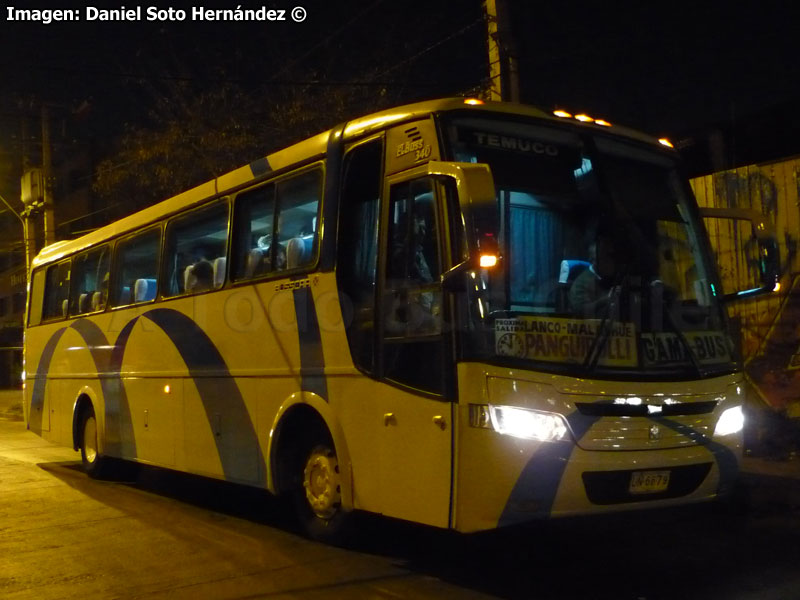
457 313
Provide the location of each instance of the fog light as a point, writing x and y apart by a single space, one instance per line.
731 421
528 424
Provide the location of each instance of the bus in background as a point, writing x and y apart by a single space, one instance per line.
460 314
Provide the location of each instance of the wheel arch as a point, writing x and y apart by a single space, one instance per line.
298 413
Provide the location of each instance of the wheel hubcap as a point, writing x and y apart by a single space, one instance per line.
321 481
90 439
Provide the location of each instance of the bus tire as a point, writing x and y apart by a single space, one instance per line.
318 497
91 458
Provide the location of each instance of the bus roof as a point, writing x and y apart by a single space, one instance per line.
304 151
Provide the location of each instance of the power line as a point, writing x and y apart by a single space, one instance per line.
217 80
327 39
433 46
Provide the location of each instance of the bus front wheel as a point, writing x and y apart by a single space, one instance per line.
318 498
93 461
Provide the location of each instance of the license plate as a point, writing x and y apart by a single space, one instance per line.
648 482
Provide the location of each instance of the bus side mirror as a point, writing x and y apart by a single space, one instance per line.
761 250
457 279
766 255
477 203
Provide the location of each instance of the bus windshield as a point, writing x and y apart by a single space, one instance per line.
606 267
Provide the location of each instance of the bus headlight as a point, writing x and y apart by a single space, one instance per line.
730 421
528 424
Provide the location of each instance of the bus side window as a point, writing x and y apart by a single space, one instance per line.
89 281
197 247
356 263
37 297
298 204
136 268
56 291
253 218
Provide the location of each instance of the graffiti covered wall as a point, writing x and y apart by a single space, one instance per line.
770 331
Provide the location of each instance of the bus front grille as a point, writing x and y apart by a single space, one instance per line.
647 426
640 433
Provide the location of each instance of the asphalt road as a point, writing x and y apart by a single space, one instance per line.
155 534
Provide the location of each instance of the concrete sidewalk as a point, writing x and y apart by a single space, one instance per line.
764 482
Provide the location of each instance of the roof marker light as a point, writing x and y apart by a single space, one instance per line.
665 142
562 114
473 101
602 122
584 118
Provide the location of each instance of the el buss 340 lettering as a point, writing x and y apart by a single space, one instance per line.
216 359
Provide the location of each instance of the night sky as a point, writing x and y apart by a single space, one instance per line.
667 69
668 66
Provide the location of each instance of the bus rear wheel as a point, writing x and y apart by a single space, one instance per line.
318 497
93 461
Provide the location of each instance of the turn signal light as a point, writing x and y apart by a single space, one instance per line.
487 261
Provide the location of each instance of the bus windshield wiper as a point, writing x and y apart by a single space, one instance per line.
684 340
603 331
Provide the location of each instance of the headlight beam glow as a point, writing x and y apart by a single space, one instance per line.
731 421
528 424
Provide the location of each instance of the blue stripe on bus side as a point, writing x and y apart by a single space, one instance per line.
39 384
536 488
116 403
219 394
312 359
119 430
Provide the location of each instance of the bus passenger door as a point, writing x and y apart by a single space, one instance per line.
416 445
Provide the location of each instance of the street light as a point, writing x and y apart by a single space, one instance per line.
28 238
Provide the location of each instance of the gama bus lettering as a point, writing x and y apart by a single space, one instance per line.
708 347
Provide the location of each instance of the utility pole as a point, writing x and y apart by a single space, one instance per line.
503 70
47 176
33 203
